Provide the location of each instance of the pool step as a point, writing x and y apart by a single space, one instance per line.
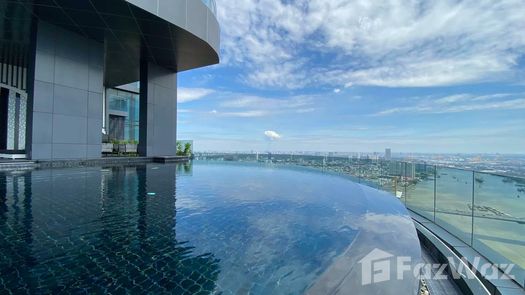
170 159
17 164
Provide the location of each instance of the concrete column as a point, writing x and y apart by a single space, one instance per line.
158 111
66 104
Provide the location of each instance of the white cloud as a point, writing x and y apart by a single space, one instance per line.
460 103
303 111
272 135
231 104
383 43
250 101
244 114
337 90
191 94
240 105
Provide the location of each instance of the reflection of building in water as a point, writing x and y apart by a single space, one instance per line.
97 230
16 226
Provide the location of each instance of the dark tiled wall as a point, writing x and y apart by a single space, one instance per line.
67 110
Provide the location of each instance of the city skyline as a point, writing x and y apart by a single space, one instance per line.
416 77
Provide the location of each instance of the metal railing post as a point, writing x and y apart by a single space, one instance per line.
435 194
405 184
472 206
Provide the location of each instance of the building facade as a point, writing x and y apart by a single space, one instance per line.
77 73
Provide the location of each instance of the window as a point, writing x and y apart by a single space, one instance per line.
122 115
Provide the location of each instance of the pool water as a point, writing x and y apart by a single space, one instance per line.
181 229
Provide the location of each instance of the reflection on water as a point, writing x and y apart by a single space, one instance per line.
172 229
274 230
96 230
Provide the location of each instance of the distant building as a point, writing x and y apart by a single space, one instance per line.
410 170
388 154
403 169
396 169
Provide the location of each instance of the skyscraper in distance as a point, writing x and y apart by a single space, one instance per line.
388 154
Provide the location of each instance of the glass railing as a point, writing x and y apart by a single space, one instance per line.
486 211
211 5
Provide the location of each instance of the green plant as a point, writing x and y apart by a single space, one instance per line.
132 141
180 151
187 149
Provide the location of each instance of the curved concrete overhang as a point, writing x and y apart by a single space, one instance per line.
176 34
191 15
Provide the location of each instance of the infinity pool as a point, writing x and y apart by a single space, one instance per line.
197 228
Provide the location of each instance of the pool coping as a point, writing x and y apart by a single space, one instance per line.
67 163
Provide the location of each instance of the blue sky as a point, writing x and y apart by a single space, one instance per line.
360 76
